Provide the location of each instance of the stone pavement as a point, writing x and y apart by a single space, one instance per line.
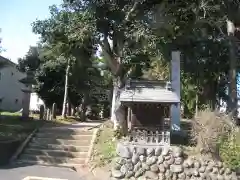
19 173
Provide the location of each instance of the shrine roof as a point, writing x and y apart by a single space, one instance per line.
149 93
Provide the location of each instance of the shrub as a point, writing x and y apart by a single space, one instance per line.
230 151
207 129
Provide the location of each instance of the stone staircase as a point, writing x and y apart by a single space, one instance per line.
67 146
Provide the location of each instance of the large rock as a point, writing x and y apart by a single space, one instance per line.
117 174
176 168
123 151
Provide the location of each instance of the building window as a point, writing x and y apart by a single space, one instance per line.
16 101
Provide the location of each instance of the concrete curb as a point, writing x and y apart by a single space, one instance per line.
22 146
94 137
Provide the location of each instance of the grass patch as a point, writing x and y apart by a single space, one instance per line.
105 147
12 126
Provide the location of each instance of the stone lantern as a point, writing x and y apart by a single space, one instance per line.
28 81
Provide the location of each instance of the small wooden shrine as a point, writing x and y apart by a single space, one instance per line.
148 106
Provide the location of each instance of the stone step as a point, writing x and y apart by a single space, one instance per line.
24 162
55 153
59 147
86 135
67 130
84 142
51 160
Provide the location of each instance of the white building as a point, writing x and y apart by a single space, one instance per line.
35 102
11 95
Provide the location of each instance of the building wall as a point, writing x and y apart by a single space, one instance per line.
11 95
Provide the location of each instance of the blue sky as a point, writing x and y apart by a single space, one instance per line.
16 17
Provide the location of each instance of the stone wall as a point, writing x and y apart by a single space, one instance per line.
168 163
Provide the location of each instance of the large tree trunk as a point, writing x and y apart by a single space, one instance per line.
84 107
232 104
65 90
117 111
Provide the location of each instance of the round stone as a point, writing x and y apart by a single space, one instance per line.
117 174
145 166
135 158
158 151
190 162
142 178
220 177
154 168
161 176
168 174
137 167
177 151
119 160
142 158
117 166
160 160
151 160
123 151
161 168
228 171
124 169
202 169
182 175
171 160
129 166
139 173
140 151
197 164
129 174
165 151
209 169
150 151
174 176
215 170
151 175
176 168
166 158
178 160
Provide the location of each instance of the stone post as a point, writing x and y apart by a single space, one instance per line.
48 114
41 113
26 103
54 109
175 81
